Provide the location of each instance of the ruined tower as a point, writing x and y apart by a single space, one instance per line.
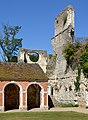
64 32
61 84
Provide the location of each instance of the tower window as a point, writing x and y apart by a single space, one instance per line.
65 20
57 21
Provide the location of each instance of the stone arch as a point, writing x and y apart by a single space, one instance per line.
10 96
35 94
27 57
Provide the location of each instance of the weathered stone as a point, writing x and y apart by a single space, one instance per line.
24 57
61 83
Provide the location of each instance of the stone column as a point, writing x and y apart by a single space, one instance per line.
1 101
44 100
41 99
23 100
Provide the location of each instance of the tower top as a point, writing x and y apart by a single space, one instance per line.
64 20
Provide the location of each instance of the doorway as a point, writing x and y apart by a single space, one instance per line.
33 96
11 97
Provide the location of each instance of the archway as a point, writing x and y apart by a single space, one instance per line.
33 96
11 97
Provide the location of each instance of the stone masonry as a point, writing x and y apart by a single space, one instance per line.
63 83
24 57
61 88
60 81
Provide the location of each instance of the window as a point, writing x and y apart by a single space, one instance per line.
65 20
33 56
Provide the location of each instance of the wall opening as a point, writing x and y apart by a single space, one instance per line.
11 97
33 96
64 20
72 34
33 56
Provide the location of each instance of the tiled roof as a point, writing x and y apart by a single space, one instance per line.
21 71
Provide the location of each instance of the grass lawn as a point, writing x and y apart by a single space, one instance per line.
43 116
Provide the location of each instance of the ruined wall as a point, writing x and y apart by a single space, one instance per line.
25 56
51 63
64 19
61 81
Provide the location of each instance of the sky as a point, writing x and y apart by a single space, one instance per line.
36 17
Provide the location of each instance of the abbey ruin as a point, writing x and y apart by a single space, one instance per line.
41 80
61 88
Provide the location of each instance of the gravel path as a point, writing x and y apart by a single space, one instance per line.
74 109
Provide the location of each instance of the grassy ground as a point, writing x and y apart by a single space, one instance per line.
43 116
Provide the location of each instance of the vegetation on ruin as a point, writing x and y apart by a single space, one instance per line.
84 61
77 82
68 105
77 58
43 116
72 53
9 43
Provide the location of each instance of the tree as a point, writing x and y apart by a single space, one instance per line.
72 53
69 53
9 44
84 61
76 56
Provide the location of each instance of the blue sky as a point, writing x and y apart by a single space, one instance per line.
37 19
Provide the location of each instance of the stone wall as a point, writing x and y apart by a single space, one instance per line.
51 63
64 19
24 54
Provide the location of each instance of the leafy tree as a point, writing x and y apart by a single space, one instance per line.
13 59
77 57
84 61
69 53
9 44
72 53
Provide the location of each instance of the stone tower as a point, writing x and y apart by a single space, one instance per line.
64 32
61 83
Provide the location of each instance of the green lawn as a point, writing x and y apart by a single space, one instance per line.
43 116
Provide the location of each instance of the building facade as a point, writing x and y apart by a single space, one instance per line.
22 86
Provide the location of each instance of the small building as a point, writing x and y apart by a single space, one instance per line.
23 86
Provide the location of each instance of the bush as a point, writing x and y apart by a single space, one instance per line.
68 105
